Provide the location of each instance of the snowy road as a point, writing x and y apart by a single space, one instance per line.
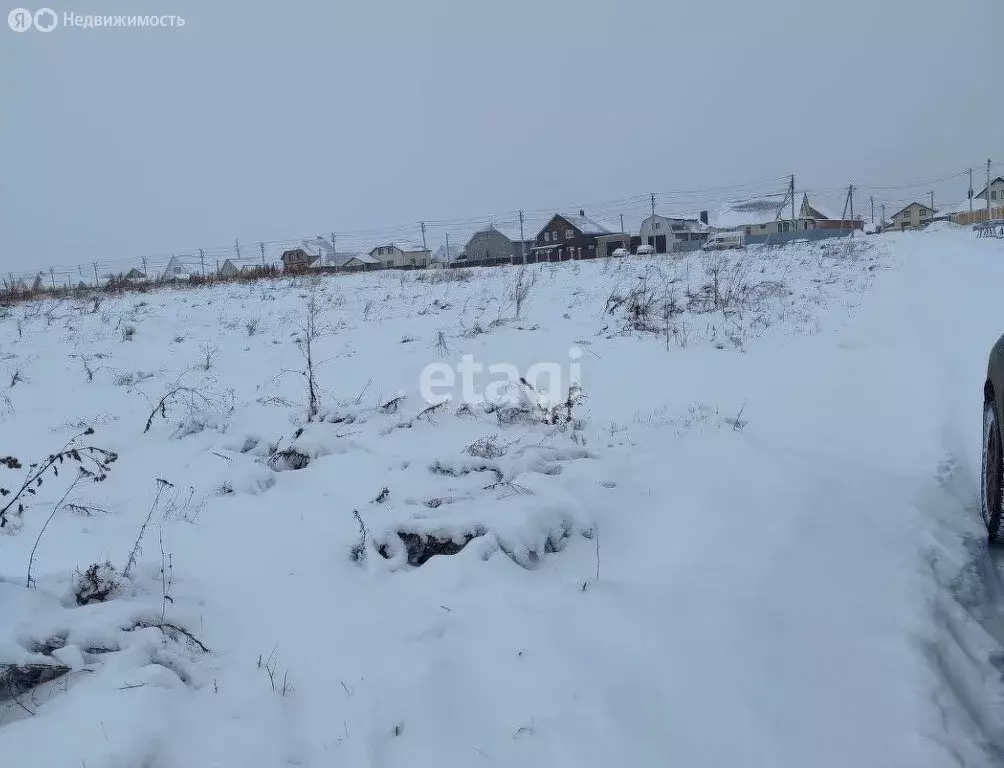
791 567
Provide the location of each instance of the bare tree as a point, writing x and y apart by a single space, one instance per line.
310 332
522 285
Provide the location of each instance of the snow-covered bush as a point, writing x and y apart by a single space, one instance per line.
97 583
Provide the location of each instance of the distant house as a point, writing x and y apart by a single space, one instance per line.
318 254
996 188
229 270
493 246
407 255
175 270
913 216
670 233
569 236
359 262
135 274
444 256
297 259
323 254
763 217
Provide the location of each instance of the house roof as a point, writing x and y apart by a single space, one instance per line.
365 258
910 205
581 222
385 245
822 212
406 247
493 228
174 263
446 255
983 191
680 223
741 213
963 207
586 225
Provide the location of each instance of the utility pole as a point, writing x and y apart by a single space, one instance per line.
522 240
652 198
52 277
987 193
883 215
622 223
447 248
424 246
871 198
95 274
202 258
334 253
145 273
261 246
932 203
80 269
850 192
794 221
970 195
237 247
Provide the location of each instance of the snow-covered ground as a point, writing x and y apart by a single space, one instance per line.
750 539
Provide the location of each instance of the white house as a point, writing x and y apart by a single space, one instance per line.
669 233
404 255
175 270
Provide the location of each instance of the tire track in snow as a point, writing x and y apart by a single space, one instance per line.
967 655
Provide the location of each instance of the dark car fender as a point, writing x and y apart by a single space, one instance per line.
995 377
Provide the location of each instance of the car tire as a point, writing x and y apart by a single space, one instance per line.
992 476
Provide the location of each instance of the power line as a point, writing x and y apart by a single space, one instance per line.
637 206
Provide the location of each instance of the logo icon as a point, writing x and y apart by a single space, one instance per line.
20 19
45 20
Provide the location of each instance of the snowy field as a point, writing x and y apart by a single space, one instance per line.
733 526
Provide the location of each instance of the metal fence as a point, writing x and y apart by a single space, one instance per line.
801 235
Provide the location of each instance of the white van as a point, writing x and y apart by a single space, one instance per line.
721 241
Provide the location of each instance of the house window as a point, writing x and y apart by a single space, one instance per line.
656 225
547 236
569 234
749 230
993 194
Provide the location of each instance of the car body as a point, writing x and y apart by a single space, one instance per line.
992 474
723 241
644 250
621 252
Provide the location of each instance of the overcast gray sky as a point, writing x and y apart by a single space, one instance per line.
270 121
